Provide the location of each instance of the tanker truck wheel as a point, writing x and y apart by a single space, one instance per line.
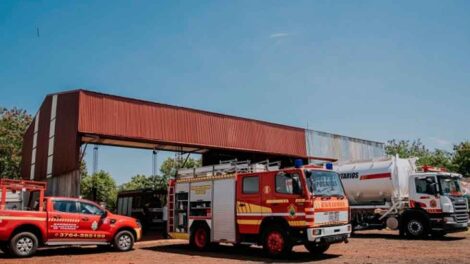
317 248
415 228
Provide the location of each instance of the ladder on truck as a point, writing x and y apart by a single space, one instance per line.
224 167
171 207
228 167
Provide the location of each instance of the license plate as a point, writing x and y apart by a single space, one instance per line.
333 217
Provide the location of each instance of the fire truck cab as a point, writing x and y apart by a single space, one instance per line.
244 204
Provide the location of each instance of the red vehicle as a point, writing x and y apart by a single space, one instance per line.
54 221
249 204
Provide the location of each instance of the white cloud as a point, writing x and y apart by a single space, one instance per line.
279 35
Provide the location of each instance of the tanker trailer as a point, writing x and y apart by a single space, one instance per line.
392 193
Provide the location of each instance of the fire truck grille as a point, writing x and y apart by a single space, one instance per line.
461 211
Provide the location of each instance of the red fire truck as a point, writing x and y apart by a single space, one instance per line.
245 204
53 221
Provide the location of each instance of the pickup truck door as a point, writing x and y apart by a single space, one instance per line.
94 224
63 221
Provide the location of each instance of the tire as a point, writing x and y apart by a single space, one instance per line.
123 241
415 228
276 242
317 248
23 245
200 238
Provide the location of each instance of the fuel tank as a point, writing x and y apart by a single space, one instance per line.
376 182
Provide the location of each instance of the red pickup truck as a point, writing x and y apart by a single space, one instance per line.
57 221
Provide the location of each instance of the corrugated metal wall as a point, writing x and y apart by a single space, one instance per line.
52 143
67 141
43 139
127 118
326 145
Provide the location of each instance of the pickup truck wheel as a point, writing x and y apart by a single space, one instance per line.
317 248
276 243
23 245
123 241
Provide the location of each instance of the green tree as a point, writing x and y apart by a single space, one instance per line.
407 149
13 125
100 187
144 182
167 170
169 165
461 159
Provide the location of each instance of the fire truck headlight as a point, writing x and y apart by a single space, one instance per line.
316 232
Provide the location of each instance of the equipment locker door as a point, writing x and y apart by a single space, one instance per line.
223 217
249 209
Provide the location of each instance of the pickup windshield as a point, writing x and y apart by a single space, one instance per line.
450 185
324 183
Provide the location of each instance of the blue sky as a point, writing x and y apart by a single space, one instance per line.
371 69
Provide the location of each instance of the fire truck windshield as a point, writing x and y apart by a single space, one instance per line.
449 185
324 183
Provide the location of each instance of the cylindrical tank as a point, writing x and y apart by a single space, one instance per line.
376 182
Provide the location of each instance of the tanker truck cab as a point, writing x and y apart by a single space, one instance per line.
439 196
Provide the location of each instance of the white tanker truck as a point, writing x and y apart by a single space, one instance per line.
391 193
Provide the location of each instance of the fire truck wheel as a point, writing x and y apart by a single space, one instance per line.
123 241
416 228
23 244
317 248
276 243
200 238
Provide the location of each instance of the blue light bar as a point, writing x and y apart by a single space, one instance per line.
298 163
329 166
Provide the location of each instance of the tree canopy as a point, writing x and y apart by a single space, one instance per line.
167 170
169 165
461 159
100 187
458 160
13 125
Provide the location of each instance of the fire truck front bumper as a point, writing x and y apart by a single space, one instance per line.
330 234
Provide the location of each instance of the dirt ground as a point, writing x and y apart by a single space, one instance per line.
364 247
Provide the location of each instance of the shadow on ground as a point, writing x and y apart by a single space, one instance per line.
63 251
235 253
397 237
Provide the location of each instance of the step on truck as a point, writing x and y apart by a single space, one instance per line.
58 221
245 204
392 193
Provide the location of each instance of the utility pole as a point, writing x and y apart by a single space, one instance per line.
95 171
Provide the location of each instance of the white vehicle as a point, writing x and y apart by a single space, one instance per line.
391 193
